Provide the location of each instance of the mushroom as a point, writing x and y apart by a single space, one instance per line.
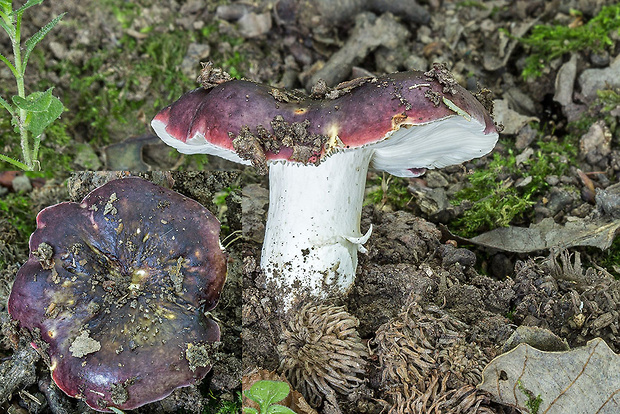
318 152
114 293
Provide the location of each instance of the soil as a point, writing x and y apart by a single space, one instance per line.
431 309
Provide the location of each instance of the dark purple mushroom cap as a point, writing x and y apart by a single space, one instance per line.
117 286
209 120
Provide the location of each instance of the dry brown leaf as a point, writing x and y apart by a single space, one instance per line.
585 380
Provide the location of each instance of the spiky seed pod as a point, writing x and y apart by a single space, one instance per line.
426 365
321 352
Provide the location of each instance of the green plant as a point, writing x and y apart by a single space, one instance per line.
550 42
33 113
532 403
496 201
266 394
389 190
230 407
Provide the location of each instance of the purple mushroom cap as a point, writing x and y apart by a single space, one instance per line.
116 288
366 114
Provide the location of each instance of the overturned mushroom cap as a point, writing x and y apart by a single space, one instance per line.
413 120
115 291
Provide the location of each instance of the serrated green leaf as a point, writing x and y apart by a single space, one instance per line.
279 409
250 410
35 102
28 5
38 36
267 392
36 122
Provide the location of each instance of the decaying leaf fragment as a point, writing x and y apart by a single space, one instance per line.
584 380
548 234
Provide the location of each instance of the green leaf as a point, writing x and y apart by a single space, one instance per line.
35 102
6 106
279 409
9 64
38 36
28 5
16 163
5 23
266 392
250 410
36 122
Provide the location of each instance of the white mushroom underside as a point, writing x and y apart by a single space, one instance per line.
436 145
195 145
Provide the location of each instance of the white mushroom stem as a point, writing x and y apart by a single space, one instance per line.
313 227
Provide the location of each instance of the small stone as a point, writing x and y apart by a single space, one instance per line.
86 157
416 62
525 137
21 184
596 143
539 338
435 179
510 119
600 59
58 50
196 53
254 25
592 80
552 180
565 81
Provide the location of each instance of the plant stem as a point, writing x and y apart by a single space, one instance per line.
19 78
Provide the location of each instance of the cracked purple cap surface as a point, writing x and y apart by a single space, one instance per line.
116 288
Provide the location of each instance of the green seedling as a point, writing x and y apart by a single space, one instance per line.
266 394
30 114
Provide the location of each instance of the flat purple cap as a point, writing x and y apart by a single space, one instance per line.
116 288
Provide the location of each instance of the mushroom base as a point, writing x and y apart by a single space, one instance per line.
313 226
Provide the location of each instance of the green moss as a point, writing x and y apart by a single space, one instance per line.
533 402
550 42
217 405
496 201
471 3
17 211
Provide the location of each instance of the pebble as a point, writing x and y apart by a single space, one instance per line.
21 184
510 119
596 143
196 53
592 80
600 60
254 25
